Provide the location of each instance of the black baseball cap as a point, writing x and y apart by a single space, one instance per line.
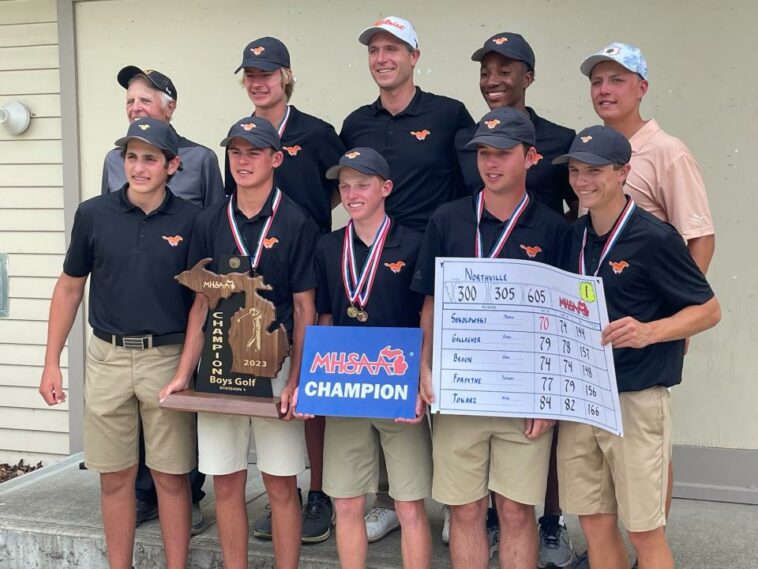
157 79
268 54
508 44
598 146
257 131
364 160
153 131
503 128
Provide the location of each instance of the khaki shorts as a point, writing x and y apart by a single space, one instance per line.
224 440
122 386
600 473
473 455
351 457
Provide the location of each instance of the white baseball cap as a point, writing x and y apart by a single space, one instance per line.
398 27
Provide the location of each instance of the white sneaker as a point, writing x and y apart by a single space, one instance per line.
380 522
446 526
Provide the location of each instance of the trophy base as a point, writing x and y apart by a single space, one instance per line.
189 400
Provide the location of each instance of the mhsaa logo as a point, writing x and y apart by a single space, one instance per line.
390 361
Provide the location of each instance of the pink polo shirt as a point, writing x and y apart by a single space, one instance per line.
665 179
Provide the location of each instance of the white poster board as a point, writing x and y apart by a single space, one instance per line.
517 338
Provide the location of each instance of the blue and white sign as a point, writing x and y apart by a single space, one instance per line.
360 372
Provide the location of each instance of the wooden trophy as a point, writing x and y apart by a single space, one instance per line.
240 353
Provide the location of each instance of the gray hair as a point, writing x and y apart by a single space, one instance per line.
165 98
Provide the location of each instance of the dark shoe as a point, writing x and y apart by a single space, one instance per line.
199 522
146 512
555 544
318 518
262 526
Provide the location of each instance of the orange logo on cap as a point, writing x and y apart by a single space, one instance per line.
270 242
586 139
293 150
173 241
258 50
501 40
395 267
248 125
421 134
492 124
352 155
532 251
144 126
619 267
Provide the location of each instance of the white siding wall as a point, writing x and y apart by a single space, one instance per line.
31 228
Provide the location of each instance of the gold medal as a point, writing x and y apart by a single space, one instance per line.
362 316
234 263
352 311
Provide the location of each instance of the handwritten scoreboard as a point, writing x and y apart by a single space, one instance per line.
519 338
356 371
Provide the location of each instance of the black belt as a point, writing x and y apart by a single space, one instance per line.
140 342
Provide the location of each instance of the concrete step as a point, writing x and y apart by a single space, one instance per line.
50 519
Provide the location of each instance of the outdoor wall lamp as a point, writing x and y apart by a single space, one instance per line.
15 116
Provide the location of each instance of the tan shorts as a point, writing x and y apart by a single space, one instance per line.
224 440
473 455
600 473
122 386
351 457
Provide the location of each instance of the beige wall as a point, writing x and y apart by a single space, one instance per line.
31 228
702 89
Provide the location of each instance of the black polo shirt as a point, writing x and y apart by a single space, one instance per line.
419 145
287 265
133 258
310 147
540 235
391 302
547 181
654 277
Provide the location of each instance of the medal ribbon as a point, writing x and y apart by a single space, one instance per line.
358 288
256 258
507 230
283 124
618 227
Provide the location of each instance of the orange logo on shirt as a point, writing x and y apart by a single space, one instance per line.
501 40
293 150
173 241
618 267
532 251
270 242
492 124
395 267
420 134
586 139
258 50
352 155
247 125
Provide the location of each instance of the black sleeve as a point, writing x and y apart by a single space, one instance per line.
676 275
302 273
461 187
79 257
229 184
323 296
331 150
431 248
198 246
467 161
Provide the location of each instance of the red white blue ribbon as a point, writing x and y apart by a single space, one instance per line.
507 230
283 124
618 227
358 287
256 258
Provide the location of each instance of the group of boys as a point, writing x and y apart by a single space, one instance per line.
409 153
